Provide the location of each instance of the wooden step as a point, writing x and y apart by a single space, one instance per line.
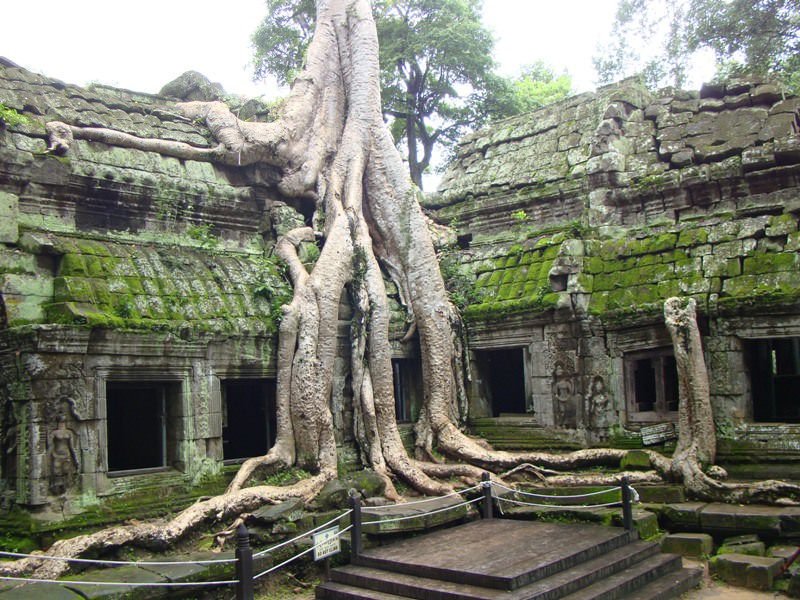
669 586
412 586
499 559
620 585
497 553
564 582
331 590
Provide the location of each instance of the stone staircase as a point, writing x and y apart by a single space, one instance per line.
496 559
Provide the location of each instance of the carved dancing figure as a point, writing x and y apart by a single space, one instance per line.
564 397
63 458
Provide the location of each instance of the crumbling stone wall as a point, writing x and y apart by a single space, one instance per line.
118 265
583 217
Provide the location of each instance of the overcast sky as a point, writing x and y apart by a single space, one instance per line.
144 44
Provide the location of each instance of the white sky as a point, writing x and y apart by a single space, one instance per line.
144 44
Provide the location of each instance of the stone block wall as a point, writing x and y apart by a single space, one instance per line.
123 268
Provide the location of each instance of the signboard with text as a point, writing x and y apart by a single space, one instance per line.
326 543
658 434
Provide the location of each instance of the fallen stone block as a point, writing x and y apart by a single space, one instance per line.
743 544
753 572
691 545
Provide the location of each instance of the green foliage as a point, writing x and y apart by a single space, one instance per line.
280 41
436 66
535 87
459 279
273 286
284 477
746 36
10 117
203 234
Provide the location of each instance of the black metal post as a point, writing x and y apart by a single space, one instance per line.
627 507
488 504
244 564
355 532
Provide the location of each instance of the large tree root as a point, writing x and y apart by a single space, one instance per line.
159 536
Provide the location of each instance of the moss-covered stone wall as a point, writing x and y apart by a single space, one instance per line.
119 266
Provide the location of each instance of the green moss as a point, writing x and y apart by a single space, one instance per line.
770 263
692 237
73 265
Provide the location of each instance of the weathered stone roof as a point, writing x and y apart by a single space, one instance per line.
610 202
120 237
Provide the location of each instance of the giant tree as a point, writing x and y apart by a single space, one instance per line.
435 59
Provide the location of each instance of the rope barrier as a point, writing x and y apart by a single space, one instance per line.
118 563
520 502
119 583
565 497
425 514
451 494
284 563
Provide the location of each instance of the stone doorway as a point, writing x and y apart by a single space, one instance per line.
502 379
248 417
407 377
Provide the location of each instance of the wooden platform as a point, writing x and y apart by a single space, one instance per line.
513 560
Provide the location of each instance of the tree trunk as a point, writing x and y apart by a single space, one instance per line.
697 439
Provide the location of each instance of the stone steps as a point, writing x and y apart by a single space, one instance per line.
512 560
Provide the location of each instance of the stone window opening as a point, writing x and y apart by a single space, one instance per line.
774 366
249 425
142 421
501 377
651 386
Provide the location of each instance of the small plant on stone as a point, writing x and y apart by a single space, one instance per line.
203 234
10 117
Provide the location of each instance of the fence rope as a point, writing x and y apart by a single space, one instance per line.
571 506
565 497
450 495
425 514
119 583
119 563
284 563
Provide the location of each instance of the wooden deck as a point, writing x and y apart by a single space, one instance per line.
513 560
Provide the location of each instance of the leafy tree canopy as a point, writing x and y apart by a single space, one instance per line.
746 36
537 85
437 76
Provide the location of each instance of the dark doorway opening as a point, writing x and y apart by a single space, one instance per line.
775 379
651 379
137 416
407 378
248 417
502 375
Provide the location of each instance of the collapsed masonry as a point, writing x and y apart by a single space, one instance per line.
139 302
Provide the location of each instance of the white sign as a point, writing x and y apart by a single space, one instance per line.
326 542
657 434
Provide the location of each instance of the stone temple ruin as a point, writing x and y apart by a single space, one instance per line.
138 311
